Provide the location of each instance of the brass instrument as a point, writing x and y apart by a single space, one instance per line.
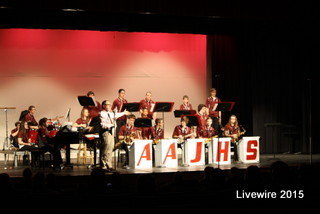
127 140
233 140
208 140
155 141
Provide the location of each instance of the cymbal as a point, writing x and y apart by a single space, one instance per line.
56 118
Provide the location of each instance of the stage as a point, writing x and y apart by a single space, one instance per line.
293 160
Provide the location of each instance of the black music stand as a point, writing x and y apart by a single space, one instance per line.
193 120
131 107
163 107
179 113
143 122
86 101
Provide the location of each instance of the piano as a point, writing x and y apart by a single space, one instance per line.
65 137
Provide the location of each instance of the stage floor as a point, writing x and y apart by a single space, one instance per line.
85 170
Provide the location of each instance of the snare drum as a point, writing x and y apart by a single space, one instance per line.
33 135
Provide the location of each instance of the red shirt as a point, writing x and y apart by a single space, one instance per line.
186 106
178 130
149 104
156 134
231 129
94 110
25 137
117 104
82 121
205 132
30 118
202 120
125 131
212 103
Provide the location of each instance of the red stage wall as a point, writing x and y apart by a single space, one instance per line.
50 68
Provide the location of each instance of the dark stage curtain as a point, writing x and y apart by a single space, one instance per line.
266 70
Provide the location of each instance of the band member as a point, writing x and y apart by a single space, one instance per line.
182 131
207 131
186 105
107 121
117 107
30 119
84 120
93 110
157 131
212 103
23 138
14 135
127 134
145 131
147 102
45 143
232 129
203 115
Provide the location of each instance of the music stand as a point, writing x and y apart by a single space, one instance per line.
131 107
143 122
179 113
86 101
193 120
225 106
163 107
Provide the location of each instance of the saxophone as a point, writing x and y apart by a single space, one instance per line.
208 140
233 140
127 140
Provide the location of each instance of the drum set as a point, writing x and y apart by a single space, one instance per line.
54 126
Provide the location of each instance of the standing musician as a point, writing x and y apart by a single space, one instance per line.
127 134
232 129
145 131
147 102
106 122
45 143
29 118
185 104
212 103
93 110
116 107
203 115
156 131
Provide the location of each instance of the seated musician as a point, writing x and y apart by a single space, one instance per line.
207 131
156 131
145 131
46 145
14 135
182 132
185 104
23 138
232 129
127 134
83 122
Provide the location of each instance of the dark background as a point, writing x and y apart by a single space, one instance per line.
261 54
